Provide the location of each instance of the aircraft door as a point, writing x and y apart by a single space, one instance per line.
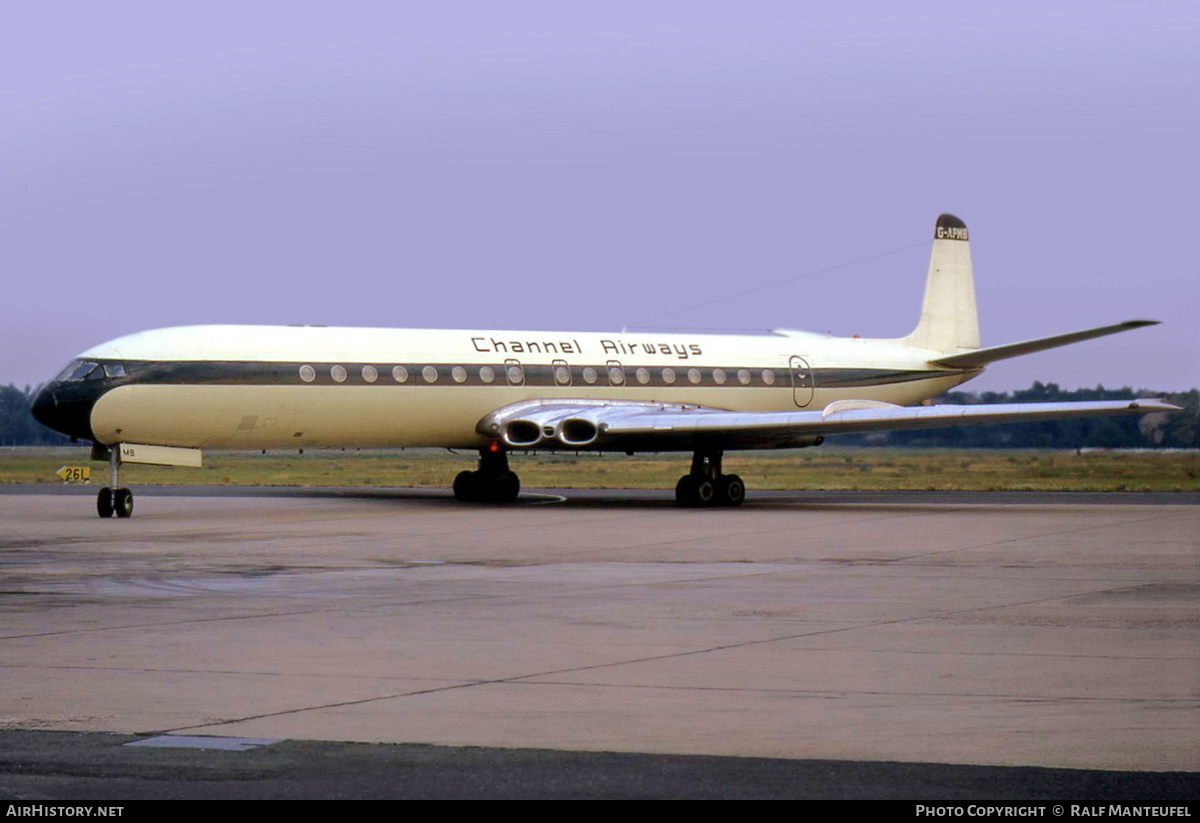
802 381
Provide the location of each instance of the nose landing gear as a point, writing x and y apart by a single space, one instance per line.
112 499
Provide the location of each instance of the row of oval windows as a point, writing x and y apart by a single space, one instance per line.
516 375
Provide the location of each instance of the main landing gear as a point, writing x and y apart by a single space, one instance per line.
492 482
705 486
112 499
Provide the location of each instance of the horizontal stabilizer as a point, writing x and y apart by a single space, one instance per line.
981 357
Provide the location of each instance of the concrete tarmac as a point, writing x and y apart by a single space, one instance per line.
1003 631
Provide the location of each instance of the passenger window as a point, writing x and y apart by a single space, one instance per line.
616 374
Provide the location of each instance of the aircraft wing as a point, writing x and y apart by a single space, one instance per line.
641 426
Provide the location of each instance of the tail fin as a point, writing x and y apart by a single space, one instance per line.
949 321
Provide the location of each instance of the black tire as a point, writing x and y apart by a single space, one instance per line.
475 487
506 487
466 487
706 493
732 491
123 503
104 502
685 492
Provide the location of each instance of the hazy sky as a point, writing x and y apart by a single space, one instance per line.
586 166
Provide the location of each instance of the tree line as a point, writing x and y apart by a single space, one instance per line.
17 426
1181 430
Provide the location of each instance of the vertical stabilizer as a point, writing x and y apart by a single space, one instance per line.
949 321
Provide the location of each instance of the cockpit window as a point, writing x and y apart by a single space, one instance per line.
89 370
85 368
65 373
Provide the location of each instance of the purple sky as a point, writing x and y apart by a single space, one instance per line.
532 165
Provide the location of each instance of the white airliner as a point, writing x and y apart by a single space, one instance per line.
162 396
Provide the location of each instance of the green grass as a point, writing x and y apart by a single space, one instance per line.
819 468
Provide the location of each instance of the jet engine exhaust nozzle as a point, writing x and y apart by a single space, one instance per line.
577 432
522 433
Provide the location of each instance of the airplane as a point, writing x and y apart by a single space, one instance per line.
163 396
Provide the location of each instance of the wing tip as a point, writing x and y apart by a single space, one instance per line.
1153 404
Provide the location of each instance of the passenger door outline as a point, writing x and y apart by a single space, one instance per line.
802 381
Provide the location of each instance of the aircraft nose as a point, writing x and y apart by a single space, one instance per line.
44 403
64 409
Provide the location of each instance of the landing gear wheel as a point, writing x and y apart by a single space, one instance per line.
123 502
695 492
491 483
685 492
731 491
466 487
504 487
104 502
705 486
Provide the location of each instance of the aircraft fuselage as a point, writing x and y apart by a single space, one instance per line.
260 387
